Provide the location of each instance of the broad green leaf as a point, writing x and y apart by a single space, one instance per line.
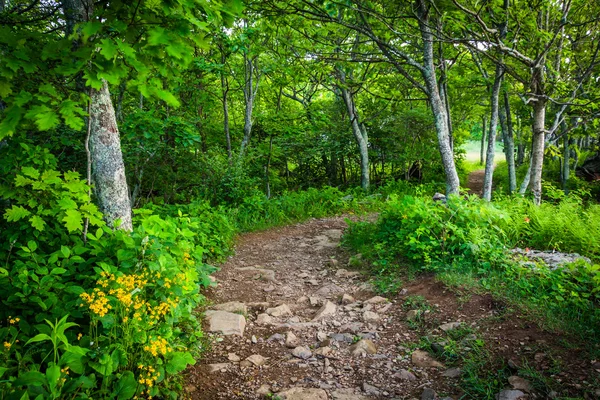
44 117
73 220
179 361
126 386
38 338
37 222
16 213
108 49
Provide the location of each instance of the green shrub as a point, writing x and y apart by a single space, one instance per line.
109 315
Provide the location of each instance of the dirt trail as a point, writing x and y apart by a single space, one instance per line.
475 182
314 329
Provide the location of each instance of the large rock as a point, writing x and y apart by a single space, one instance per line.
370 316
299 393
264 319
279 311
232 307
327 310
364 346
302 352
226 323
422 359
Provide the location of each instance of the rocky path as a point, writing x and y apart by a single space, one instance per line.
292 321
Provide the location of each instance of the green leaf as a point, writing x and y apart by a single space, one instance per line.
108 49
38 338
33 378
57 271
73 220
44 117
2 371
32 245
73 361
53 376
66 252
16 213
126 386
179 361
12 117
37 222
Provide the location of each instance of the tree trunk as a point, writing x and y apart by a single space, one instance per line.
107 161
224 92
537 151
358 130
437 103
491 145
566 161
526 180
520 144
509 143
482 149
250 90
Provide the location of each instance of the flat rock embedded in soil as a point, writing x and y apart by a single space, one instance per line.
327 310
348 394
226 323
364 346
510 395
423 359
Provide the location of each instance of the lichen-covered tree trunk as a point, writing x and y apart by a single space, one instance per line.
482 147
438 107
491 144
108 169
566 161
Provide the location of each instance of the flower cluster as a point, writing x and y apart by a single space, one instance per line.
12 320
97 302
148 375
158 346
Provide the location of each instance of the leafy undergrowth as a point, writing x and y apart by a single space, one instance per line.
112 315
465 243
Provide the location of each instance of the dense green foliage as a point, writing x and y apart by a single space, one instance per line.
467 242
228 116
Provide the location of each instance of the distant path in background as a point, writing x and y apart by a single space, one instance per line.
475 182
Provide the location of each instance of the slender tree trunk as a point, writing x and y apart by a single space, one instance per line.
566 161
482 149
224 92
509 144
491 146
537 152
437 103
520 143
526 180
358 130
107 161
250 90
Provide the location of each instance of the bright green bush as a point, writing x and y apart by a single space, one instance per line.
467 241
109 315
